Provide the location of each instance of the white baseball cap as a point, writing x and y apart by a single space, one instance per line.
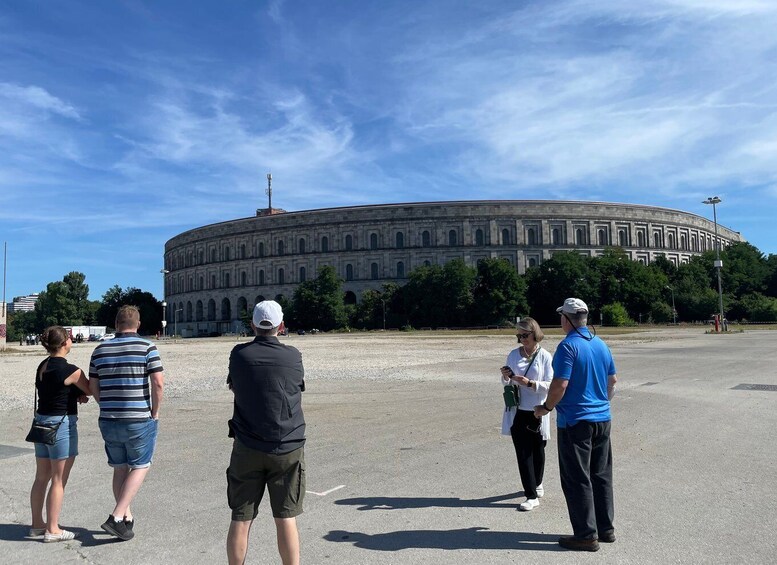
268 315
573 306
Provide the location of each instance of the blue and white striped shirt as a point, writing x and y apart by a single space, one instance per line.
122 366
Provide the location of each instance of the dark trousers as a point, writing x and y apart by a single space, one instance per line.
530 451
585 465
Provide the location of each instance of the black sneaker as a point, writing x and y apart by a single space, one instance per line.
117 529
607 537
129 523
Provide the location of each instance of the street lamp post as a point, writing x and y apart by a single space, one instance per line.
384 313
714 200
164 304
674 310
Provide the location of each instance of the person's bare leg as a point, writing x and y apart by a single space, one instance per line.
119 476
56 493
38 491
288 540
129 489
237 541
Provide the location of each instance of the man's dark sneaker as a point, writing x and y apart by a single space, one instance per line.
607 537
129 523
578 544
117 529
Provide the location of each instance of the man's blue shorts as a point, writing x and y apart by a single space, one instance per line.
129 443
66 445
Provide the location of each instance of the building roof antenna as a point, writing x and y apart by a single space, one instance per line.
268 192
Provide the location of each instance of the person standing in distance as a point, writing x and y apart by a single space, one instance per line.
268 427
127 379
583 384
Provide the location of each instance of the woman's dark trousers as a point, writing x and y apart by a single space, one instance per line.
529 450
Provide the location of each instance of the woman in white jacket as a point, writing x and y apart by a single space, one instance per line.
530 368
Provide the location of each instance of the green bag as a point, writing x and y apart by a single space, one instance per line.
511 395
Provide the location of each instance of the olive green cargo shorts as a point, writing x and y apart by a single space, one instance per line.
251 470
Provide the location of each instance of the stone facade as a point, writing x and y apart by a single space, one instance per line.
216 271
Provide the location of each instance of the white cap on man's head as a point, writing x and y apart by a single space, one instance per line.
573 306
268 315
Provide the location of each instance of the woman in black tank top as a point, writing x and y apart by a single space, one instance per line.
60 386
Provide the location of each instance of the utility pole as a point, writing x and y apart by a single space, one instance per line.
268 192
714 200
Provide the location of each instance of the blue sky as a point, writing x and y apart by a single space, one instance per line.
124 123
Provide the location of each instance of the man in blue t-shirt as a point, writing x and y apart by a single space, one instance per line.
583 384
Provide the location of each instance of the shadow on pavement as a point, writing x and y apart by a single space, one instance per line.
18 532
394 503
469 538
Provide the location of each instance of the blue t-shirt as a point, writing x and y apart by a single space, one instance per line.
587 366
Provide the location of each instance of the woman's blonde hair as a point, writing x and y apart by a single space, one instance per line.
53 338
530 325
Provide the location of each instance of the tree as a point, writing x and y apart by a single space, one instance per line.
319 302
499 294
615 314
114 298
563 275
440 296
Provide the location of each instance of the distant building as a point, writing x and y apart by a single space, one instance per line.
23 303
214 273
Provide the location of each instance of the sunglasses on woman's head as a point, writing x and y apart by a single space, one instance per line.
522 336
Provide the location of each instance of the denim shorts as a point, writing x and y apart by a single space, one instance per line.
66 445
129 443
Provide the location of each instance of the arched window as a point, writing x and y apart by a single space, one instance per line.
374 271
211 310
656 239
640 239
242 306
281 277
260 251
202 257
226 280
601 237
479 239
579 236
427 264
260 277
555 236
400 240
505 237
213 255
324 244
452 238
623 238
213 281
280 247
302 245
302 274
532 262
348 242
694 246
202 284
349 272
426 239
531 236
243 278
349 298
226 253
242 250
198 311
373 241
400 270
259 298
189 311
683 242
191 285
226 309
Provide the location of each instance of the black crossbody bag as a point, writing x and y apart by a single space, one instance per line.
42 433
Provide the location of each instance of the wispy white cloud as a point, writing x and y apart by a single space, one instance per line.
35 97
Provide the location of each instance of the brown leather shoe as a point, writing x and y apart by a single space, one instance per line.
578 544
607 537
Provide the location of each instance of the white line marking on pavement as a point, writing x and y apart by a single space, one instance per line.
330 491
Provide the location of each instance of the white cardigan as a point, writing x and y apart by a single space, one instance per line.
541 372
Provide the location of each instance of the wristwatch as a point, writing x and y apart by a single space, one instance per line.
546 407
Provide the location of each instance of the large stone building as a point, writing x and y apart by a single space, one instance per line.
217 271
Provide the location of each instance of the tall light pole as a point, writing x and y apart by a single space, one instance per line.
714 200
164 304
674 310
384 313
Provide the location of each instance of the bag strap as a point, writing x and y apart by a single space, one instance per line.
531 361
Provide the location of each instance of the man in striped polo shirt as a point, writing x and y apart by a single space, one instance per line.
127 379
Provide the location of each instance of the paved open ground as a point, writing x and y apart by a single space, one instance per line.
405 463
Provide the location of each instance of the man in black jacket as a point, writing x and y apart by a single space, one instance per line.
267 379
